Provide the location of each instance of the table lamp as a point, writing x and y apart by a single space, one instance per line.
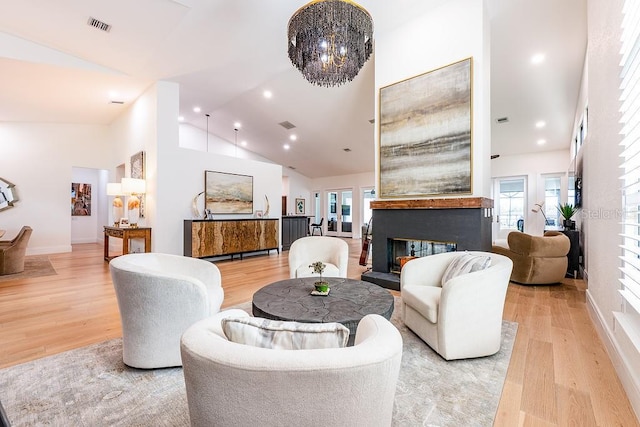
115 189
132 187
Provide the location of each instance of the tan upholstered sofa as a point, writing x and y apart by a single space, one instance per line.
12 252
537 260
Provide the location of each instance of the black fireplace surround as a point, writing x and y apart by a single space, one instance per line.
463 221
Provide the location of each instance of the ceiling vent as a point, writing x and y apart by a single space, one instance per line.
372 121
96 23
346 150
117 102
287 125
502 120
291 167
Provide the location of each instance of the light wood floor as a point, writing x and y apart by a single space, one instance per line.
559 375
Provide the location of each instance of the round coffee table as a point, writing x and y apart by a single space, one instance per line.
347 303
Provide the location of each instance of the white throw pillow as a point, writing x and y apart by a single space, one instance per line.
280 335
463 264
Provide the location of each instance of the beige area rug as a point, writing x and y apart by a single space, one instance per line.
34 266
91 386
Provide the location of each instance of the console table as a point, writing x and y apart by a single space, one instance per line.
212 238
126 234
573 267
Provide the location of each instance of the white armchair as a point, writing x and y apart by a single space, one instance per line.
332 251
230 384
463 318
159 297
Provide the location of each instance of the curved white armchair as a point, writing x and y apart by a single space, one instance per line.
159 297
332 251
230 384
463 318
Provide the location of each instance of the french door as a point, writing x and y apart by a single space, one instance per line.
339 212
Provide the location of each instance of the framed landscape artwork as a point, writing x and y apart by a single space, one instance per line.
425 133
228 193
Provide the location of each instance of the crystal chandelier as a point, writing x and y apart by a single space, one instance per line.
330 40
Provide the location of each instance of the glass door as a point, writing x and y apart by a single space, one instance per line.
339 213
510 206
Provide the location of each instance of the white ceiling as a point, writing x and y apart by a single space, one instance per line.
56 68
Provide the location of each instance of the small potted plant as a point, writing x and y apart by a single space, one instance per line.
567 211
321 286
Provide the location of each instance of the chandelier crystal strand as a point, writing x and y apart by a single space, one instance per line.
330 40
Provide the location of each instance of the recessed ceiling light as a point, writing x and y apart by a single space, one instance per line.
538 58
293 137
267 94
196 109
541 124
542 141
237 125
181 118
243 143
286 146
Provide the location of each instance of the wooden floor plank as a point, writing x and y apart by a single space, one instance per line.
558 365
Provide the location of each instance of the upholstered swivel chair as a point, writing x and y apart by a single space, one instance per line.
332 251
12 252
317 226
159 297
461 318
230 384
537 260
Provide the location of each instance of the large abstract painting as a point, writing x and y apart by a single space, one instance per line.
228 193
425 134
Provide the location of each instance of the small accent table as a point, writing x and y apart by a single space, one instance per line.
347 303
126 234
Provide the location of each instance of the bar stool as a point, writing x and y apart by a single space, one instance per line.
317 226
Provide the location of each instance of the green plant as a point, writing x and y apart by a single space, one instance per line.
567 210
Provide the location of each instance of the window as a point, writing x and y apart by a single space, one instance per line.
552 199
629 317
511 202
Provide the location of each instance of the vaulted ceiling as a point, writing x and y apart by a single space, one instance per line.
225 54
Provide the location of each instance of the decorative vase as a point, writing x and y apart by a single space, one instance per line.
321 286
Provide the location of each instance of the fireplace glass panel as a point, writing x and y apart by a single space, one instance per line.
403 250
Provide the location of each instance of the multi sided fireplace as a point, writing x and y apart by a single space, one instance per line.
465 222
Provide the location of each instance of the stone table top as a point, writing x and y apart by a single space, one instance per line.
347 303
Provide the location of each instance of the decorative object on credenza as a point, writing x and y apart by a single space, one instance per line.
80 199
300 208
195 211
425 133
228 193
321 286
538 207
258 214
567 211
138 172
208 214
330 40
115 189
266 207
133 187
8 194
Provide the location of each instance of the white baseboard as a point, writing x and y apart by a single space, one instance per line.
620 362
85 240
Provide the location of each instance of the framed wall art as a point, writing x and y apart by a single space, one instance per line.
80 199
425 133
138 171
228 193
300 206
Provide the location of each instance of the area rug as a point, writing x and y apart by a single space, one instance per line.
91 386
34 266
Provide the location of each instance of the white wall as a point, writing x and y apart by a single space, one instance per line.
601 189
39 158
298 187
454 31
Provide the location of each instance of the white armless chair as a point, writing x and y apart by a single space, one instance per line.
232 384
159 297
461 318
332 251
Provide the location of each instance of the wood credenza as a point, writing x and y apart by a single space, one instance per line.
212 238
